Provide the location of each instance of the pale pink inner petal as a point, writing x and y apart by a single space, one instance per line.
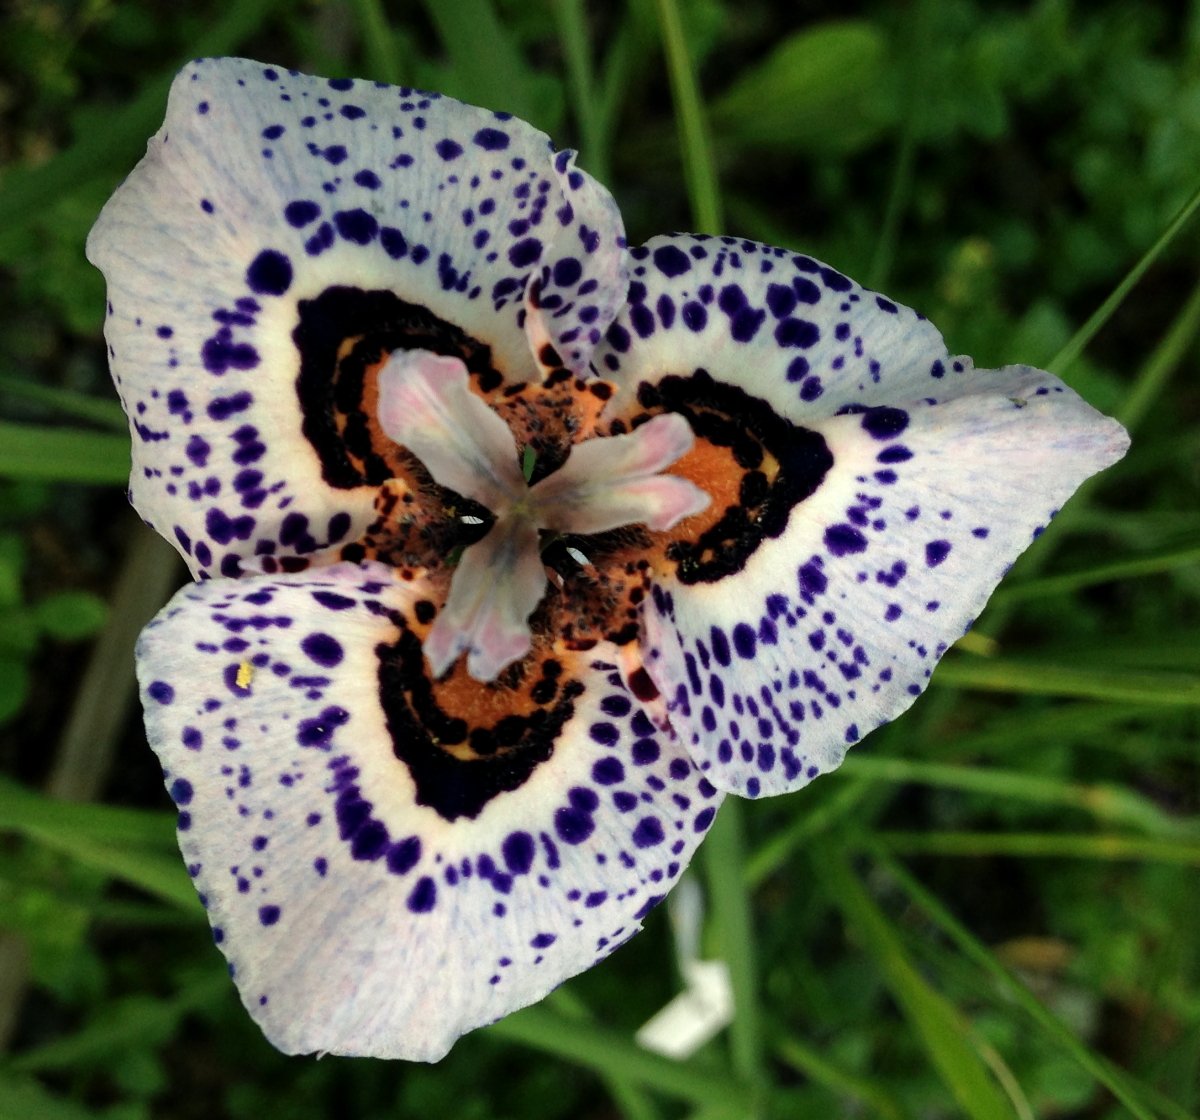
495 588
606 483
426 405
646 450
659 502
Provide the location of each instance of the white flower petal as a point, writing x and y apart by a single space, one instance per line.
383 875
833 625
283 232
582 283
787 328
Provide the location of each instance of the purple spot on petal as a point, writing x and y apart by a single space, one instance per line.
936 552
323 649
491 139
842 540
670 260
525 252
518 849
884 423
648 833
424 896
161 692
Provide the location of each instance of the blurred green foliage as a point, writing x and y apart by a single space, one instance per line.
1014 906
67 615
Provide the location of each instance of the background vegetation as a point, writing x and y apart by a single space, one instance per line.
991 910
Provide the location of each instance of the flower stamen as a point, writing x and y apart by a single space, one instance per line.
426 404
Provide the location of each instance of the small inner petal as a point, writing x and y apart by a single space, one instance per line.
495 588
607 483
426 404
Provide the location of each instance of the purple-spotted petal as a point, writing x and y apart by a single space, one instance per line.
606 483
582 283
281 231
378 885
426 404
832 625
784 327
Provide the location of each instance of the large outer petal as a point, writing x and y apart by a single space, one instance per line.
787 328
355 920
834 625
582 281
265 188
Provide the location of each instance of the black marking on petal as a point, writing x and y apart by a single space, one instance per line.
458 767
782 464
331 383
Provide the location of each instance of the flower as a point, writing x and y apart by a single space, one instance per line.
517 548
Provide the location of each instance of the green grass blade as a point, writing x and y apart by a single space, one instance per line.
488 67
636 39
378 42
630 1097
120 144
897 202
572 33
37 881
26 1097
1079 341
155 873
775 852
1043 845
1057 723
1157 562
106 693
917 47
63 454
1173 650
1155 372
140 915
729 900
105 838
1109 803
1117 1082
699 167
132 1023
65 402
27 812
941 1028
1008 1080
615 1056
805 1060
1030 678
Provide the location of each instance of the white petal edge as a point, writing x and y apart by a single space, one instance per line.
264 750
